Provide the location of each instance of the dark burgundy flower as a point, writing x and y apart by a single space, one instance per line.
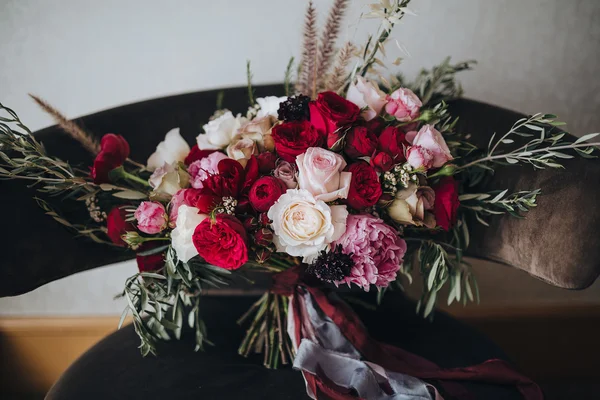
114 150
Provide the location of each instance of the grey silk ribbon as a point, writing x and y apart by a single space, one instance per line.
330 354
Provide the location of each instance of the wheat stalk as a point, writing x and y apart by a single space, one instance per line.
75 131
328 39
337 78
309 51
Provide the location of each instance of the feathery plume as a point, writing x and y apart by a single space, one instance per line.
309 51
328 39
75 131
337 78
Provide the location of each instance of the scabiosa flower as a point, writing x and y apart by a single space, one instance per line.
332 266
294 109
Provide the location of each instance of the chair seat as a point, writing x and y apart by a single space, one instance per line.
114 368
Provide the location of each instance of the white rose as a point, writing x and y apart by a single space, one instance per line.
242 149
168 179
304 226
320 172
173 149
269 106
220 131
188 218
367 95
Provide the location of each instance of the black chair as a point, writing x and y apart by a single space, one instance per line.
114 368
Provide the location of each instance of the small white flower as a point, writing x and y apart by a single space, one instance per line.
304 226
269 106
188 218
173 149
220 131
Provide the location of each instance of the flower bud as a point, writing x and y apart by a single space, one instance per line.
263 237
264 220
251 224
263 255
446 170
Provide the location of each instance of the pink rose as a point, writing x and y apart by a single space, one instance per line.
287 173
366 95
200 170
403 104
320 173
419 157
177 200
151 217
429 138
377 251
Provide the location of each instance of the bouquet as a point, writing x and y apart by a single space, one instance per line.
351 179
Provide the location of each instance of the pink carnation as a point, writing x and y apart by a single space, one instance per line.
200 170
377 251
151 217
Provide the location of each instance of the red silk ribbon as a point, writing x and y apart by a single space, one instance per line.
494 371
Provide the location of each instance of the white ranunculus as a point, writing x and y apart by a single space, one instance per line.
269 106
188 218
169 179
173 149
220 131
304 226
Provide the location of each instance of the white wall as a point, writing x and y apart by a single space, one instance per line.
88 55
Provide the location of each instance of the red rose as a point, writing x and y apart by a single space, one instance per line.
265 192
365 188
222 241
266 162
152 262
294 137
116 225
446 202
114 150
382 162
376 125
393 141
331 111
360 142
196 154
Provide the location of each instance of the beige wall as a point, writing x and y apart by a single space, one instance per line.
84 55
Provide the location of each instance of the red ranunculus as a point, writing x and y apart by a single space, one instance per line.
151 262
265 192
446 202
114 150
222 241
393 141
196 154
382 162
294 137
266 162
365 188
331 111
116 225
360 142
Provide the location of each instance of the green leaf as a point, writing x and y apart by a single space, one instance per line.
130 195
586 137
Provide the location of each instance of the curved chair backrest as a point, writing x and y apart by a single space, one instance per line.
557 242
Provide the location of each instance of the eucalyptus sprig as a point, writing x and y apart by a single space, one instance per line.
499 202
544 151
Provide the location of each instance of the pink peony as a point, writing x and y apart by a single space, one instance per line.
429 138
377 251
403 104
151 217
419 157
201 169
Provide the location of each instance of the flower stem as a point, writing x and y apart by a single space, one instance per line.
135 178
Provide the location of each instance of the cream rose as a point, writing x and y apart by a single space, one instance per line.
366 95
188 218
220 131
303 225
411 205
241 149
320 172
168 179
173 149
259 130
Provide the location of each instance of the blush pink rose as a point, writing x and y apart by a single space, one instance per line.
419 157
320 172
403 104
176 201
151 217
367 96
429 138
200 170
377 251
